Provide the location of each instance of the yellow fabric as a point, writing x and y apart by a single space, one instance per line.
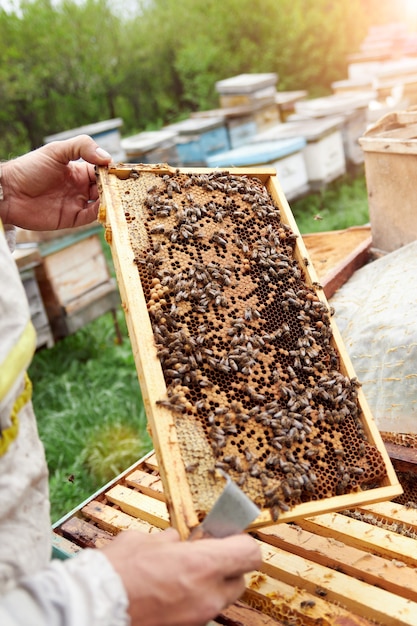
8 435
18 359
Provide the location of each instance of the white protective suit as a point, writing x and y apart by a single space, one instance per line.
35 591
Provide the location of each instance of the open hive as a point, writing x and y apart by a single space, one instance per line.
240 365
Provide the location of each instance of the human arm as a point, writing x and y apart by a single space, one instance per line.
158 579
50 188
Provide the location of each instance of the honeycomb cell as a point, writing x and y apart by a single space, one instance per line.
245 343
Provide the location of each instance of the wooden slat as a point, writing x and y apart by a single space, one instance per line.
77 269
63 547
152 462
113 520
394 512
404 459
240 613
85 534
363 536
147 483
148 366
85 299
360 597
391 575
139 505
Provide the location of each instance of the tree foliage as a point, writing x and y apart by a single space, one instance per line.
74 63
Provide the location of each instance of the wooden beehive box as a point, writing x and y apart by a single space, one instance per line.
240 364
75 281
356 567
390 152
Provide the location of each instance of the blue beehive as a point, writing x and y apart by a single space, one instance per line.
106 133
285 155
199 138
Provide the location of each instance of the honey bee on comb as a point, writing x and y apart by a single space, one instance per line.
253 376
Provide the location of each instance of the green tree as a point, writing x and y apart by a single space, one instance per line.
73 63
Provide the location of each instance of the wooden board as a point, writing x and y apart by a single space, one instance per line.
356 567
191 488
336 255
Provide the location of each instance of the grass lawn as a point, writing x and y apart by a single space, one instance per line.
86 393
90 412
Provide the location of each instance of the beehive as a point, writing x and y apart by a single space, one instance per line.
357 567
240 365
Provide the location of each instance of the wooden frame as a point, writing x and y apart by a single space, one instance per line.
161 423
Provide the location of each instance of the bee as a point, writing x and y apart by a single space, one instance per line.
159 229
191 467
307 604
175 407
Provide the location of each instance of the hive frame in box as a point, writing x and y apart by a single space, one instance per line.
161 420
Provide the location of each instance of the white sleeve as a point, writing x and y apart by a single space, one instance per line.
82 591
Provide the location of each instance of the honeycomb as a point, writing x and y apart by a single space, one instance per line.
408 480
253 379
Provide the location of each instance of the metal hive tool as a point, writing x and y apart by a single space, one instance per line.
241 367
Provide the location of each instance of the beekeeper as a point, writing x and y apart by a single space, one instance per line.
146 580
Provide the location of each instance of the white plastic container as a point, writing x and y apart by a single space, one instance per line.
353 107
286 156
324 153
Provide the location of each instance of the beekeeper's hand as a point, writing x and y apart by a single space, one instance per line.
181 583
50 188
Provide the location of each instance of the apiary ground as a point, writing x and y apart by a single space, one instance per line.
252 375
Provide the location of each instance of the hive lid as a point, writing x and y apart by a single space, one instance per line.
395 132
355 83
258 153
195 126
288 97
229 113
148 140
335 104
246 83
309 129
90 129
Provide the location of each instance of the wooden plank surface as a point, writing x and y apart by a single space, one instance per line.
139 505
77 269
112 519
359 597
329 570
333 552
336 255
146 483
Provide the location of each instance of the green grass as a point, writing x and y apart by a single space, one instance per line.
90 412
86 393
342 204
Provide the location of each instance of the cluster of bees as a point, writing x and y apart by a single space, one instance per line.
245 343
